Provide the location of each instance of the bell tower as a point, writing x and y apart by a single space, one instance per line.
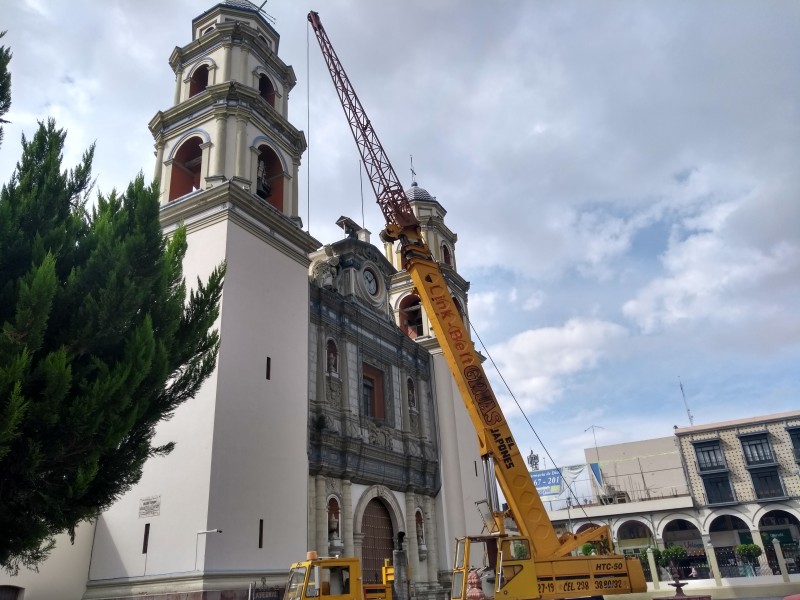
228 504
228 121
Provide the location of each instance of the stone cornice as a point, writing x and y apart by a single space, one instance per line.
231 98
226 34
229 201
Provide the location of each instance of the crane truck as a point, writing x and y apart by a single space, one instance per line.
526 561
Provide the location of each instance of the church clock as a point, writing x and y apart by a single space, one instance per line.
370 281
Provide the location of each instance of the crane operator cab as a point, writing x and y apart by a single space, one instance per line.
320 578
499 566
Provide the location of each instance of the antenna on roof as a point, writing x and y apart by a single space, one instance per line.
686 404
268 16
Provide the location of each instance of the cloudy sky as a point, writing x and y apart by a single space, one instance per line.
623 177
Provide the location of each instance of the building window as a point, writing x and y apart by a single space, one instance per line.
718 489
199 80
10 592
756 450
709 456
767 483
411 316
372 393
794 435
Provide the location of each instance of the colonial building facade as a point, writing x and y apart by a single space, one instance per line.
708 488
331 422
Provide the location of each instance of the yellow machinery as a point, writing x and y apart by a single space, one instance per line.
536 562
329 577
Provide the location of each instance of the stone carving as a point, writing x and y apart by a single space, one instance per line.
413 417
333 392
325 273
378 436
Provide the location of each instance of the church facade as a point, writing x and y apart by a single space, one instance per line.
331 422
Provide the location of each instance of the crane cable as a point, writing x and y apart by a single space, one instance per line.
513 397
308 129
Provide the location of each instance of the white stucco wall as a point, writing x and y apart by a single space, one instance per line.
259 464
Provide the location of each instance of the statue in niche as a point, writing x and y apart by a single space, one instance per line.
412 400
332 358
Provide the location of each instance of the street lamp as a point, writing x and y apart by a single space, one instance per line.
197 540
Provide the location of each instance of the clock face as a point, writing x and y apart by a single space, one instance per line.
371 281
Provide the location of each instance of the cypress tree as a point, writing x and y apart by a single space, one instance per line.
5 84
99 341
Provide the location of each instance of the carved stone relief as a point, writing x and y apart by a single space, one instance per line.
333 392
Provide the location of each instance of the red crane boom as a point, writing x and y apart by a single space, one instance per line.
389 192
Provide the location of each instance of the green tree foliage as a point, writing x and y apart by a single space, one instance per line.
98 343
5 84
749 552
668 557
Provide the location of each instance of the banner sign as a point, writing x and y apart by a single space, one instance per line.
552 483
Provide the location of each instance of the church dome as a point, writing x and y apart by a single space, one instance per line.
416 194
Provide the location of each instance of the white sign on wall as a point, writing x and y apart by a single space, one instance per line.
150 506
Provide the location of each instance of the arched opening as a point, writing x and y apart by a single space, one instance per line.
680 532
269 177
185 169
333 357
378 543
411 316
784 527
587 526
634 531
446 256
726 532
266 90
199 80
412 394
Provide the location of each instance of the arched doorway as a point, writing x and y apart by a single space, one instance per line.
680 532
378 543
726 532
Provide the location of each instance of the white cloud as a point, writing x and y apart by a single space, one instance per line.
538 363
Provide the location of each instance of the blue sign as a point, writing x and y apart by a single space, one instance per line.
549 483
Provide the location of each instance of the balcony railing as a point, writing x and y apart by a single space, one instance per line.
759 461
706 466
